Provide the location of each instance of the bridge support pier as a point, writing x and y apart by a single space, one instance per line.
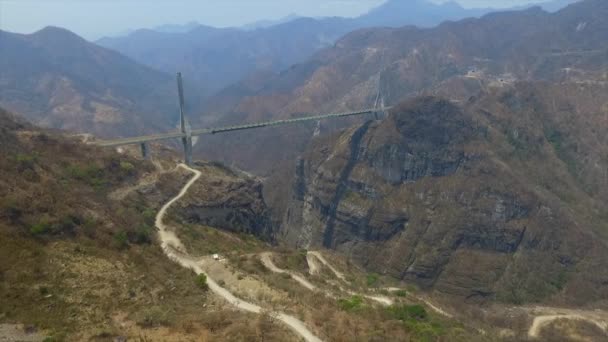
187 150
144 151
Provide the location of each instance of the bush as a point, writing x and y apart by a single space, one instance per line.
121 240
40 228
26 161
408 312
90 174
401 293
88 227
201 281
126 166
67 224
143 235
149 216
11 208
372 279
353 303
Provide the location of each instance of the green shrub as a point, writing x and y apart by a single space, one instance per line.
143 234
66 224
149 216
90 174
401 293
88 227
425 331
351 304
10 208
26 161
408 312
121 240
127 168
201 281
372 280
40 228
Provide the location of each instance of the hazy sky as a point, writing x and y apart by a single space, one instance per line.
95 18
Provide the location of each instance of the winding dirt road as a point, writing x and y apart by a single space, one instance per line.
320 257
546 316
267 261
175 250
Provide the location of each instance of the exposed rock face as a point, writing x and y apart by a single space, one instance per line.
228 200
441 196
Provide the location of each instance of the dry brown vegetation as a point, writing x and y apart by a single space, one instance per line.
350 317
76 265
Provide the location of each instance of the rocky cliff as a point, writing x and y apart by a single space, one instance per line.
227 199
478 200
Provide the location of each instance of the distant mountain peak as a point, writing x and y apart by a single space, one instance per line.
52 33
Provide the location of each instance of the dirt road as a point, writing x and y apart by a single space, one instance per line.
267 261
174 250
545 316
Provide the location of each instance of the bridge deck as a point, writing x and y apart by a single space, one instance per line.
165 136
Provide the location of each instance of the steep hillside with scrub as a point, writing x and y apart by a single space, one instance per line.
499 199
78 253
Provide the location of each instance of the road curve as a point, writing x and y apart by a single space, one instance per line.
310 255
267 261
540 322
320 257
174 250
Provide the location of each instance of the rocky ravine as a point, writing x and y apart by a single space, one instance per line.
451 199
227 199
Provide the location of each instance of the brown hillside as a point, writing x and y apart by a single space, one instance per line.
78 256
499 199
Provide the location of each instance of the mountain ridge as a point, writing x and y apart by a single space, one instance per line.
454 59
58 79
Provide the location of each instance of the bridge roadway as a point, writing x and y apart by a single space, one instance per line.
197 132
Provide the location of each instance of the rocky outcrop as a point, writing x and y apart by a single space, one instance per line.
226 199
439 195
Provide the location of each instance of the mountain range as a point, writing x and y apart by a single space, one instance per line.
215 58
454 59
57 79
472 208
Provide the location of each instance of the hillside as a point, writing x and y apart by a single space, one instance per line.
79 259
82 259
500 199
455 59
59 80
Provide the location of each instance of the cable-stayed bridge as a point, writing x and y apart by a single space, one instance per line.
186 133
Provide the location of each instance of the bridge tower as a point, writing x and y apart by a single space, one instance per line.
184 124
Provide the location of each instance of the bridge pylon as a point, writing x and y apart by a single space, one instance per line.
185 127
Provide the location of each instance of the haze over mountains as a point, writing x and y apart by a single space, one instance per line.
456 59
216 57
79 86
57 79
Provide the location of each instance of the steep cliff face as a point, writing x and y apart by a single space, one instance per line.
227 199
472 201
